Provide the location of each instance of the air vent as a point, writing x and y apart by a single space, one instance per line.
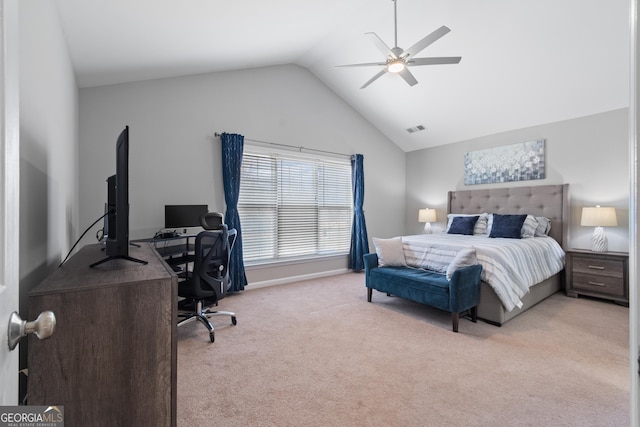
416 129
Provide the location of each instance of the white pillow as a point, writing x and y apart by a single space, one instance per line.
479 228
464 258
544 226
529 227
390 252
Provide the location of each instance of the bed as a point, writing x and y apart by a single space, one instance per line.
550 201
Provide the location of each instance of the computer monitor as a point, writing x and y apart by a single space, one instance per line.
183 216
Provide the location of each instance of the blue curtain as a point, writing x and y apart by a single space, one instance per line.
359 239
232 147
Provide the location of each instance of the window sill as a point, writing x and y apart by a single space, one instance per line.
292 261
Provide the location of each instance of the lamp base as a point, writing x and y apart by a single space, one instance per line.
427 228
599 241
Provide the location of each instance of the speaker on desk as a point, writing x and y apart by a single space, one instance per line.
211 220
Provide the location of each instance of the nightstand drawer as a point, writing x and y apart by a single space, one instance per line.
597 274
609 285
600 267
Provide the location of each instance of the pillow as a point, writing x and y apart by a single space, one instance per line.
508 226
529 227
463 225
390 252
481 224
544 226
464 258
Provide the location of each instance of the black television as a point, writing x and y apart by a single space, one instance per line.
183 216
117 240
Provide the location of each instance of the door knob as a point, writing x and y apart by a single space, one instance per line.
43 327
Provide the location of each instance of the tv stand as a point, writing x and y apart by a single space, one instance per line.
110 258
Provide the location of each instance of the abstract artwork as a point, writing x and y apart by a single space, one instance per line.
516 162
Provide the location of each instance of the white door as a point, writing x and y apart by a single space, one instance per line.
634 218
9 195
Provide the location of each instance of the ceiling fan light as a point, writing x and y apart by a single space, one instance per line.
395 66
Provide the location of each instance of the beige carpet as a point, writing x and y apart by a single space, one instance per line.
315 353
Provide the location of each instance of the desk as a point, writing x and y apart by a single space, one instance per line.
177 251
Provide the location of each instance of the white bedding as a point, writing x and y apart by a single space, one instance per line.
509 266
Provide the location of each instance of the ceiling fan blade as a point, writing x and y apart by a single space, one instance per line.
384 70
408 77
420 45
382 46
435 60
368 64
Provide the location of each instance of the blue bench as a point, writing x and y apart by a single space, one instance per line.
457 295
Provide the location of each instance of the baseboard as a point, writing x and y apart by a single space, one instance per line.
292 279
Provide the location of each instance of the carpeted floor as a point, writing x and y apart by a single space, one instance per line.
315 353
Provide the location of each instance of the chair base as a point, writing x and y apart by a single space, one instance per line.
203 314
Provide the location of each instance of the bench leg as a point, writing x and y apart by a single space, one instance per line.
474 314
369 292
454 319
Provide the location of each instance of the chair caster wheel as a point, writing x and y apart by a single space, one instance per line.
212 336
233 320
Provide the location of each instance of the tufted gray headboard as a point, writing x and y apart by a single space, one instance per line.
551 201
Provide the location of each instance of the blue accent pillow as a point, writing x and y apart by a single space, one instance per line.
508 226
463 225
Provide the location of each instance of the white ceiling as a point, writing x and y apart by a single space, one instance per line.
524 63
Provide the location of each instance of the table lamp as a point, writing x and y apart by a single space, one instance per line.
427 216
599 217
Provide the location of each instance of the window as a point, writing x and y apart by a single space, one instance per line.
294 207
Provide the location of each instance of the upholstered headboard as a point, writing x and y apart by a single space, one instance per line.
551 201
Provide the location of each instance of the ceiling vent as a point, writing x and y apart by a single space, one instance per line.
416 129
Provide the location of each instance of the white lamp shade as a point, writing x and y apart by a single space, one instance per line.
599 217
427 215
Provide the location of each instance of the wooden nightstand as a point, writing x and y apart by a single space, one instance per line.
598 274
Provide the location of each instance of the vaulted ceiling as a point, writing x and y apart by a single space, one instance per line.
524 63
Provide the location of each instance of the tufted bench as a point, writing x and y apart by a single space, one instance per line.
457 295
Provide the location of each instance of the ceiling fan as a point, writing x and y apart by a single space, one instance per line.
399 60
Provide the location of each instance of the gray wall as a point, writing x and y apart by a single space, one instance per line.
589 153
48 150
48 143
175 158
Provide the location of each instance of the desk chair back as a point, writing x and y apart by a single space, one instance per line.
211 264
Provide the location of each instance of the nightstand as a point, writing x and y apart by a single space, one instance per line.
598 274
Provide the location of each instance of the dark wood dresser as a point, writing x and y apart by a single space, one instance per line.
111 360
598 274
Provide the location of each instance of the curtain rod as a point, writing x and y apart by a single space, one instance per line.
292 146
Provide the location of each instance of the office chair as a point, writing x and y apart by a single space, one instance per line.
209 281
211 220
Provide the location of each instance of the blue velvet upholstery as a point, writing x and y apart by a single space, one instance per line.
457 295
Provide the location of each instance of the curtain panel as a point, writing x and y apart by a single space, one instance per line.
232 148
359 238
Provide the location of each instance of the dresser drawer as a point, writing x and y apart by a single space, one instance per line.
613 286
600 267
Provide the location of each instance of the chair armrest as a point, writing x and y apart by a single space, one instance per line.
370 261
464 288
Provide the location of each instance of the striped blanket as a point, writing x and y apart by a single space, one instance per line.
509 266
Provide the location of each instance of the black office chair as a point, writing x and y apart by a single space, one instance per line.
209 281
211 220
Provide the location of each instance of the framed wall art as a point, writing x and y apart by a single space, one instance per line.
516 162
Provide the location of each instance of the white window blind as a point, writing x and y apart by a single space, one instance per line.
294 207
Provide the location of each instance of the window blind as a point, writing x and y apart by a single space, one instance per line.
293 207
